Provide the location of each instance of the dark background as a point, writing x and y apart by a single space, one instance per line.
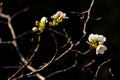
108 10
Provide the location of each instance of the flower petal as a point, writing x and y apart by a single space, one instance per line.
101 49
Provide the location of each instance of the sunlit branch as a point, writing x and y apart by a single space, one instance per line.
48 63
9 67
79 41
57 32
23 34
19 12
111 73
99 67
18 71
79 52
66 69
6 42
89 64
69 46
17 78
15 43
88 16
69 49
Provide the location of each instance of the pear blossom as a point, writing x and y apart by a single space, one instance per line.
59 14
44 19
96 41
34 29
101 38
101 49
40 25
96 38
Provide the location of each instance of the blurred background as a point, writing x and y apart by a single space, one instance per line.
108 25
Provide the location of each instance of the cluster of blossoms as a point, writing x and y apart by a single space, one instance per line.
41 25
56 19
97 41
94 40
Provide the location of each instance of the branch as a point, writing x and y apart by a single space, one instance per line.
99 67
79 52
48 63
88 16
69 49
66 69
15 43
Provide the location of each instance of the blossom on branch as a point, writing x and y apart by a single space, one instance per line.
41 25
58 18
97 38
59 14
96 41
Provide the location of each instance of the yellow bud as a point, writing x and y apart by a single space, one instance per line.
59 19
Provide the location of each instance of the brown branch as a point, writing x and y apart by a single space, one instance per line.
1 7
111 73
66 69
11 77
48 63
17 78
56 32
15 43
69 49
21 11
79 52
9 67
79 41
88 16
6 42
28 61
99 67
23 34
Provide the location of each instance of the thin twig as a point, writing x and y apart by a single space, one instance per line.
79 52
9 67
111 73
48 63
99 67
88 16
69 49
6 42
15 43
19 12
66 69
56 32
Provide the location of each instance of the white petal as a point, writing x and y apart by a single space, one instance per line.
96 37
101 38
59 14
43 19
34 29
90 37
101 49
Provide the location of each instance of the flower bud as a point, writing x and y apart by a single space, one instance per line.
34 29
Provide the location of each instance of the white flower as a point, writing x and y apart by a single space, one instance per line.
101 49
59 14
44 19
97 38
101 38
92 37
